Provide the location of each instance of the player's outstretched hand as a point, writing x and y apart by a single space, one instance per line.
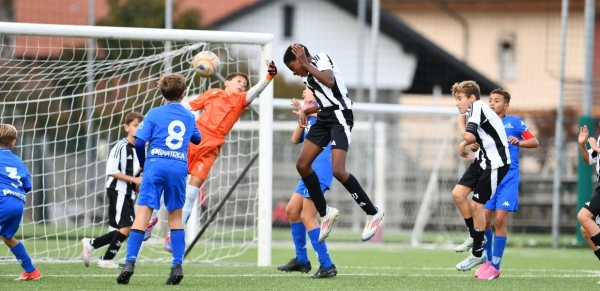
272 70
593 144
583 135
513 140
296 104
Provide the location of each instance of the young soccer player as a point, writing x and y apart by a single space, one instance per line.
589 215
222 109
168 129
335 120
122 169
478 124
301 211
506 198
15 183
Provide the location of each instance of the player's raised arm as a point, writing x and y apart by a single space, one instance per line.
260 86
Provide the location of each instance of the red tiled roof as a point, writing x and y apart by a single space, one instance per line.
76 12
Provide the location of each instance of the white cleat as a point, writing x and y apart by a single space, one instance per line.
87 250
327 223
467 245
371 225
107 264
471 261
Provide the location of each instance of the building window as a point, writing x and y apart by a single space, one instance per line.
288 20
507 63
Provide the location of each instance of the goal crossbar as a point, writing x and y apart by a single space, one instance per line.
130 33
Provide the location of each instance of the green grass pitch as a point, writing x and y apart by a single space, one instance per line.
361 266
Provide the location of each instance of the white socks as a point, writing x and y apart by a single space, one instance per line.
191 193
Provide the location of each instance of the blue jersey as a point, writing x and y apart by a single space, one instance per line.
514 126
322 164
14 176
168 130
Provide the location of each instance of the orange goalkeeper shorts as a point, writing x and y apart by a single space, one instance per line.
202 157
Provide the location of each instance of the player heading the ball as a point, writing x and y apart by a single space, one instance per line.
334 124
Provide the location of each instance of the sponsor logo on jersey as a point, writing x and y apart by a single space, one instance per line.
13 193
508 125
169 154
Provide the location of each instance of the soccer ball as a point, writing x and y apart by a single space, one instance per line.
206 64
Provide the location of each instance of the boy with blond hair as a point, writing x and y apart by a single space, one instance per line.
478 124
123 171
168 129
15 183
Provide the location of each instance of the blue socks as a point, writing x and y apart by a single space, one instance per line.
21 255
299 237
320 248
499 245
488 245
136 237
178 246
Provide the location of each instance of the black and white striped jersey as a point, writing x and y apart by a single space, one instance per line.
122 159
488 128
328 98
595 159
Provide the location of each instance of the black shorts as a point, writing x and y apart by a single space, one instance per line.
594 204
333 126
120 209
483 182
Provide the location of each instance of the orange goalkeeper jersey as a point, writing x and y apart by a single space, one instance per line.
221 111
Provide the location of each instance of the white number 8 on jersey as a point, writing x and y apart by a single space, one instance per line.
175 139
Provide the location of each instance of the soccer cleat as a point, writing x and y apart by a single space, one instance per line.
168 244
35 275
175 276
482 268
126 273
471 261
87 250
327 223
371 225
322 273
295 266
490 274
151 224
107 264
467 245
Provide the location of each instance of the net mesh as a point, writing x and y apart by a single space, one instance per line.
67 97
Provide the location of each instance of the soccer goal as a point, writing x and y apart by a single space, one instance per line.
67 89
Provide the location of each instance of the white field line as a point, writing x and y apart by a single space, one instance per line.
291 275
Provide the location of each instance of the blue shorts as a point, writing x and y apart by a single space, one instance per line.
163 176
507 194
301 189
11 212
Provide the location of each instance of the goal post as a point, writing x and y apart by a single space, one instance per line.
46 72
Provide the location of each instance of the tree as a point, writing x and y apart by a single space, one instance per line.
7 14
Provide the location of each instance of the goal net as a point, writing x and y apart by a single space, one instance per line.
67 95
